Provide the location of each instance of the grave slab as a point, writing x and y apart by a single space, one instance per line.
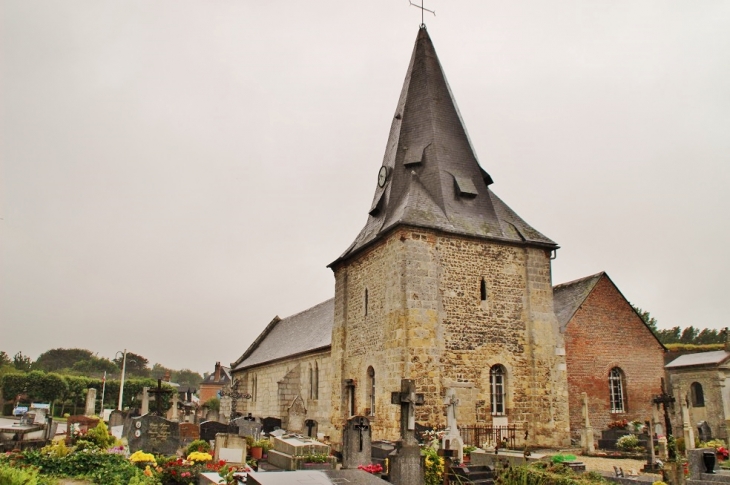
154 434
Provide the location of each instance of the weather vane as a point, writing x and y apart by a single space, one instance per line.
422 10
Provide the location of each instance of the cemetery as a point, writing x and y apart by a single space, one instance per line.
152 449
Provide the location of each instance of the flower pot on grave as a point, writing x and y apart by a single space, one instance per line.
256 452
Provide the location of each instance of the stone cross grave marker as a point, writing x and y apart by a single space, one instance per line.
154 434
689 435
452 439
90 402
408 400
356 446
406 466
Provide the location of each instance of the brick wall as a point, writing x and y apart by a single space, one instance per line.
606 332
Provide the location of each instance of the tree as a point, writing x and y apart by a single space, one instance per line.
58 359
688 335
22 362
136 364
648 319
187 377
158 371
4 359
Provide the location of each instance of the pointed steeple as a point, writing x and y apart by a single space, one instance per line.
430 176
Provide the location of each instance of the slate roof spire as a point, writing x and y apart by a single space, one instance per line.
432 177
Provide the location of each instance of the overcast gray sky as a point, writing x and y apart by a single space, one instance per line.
176 173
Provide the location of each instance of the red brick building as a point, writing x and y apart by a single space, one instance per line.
214 382
611 354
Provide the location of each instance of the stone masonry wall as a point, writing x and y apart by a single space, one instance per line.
606 332
425 320
714 384
281 381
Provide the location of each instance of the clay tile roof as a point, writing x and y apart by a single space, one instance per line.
298 334
715 357
434 179
568 297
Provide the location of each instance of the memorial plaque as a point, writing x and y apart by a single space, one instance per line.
246 427
154 434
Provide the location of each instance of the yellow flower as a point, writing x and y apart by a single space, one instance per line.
199 456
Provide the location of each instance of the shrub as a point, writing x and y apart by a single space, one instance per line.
10 475
198 445
628 442
541 474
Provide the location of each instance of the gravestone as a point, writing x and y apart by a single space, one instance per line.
586 433
209 429
79 423
407 465
90 402
116 418
270 424
356 443
296 416
145 401
452 440
189 432
311 426
247 427
704 431
154 434
230 448
116 423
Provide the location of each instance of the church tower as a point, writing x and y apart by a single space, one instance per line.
445 285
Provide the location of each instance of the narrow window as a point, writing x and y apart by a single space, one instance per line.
255 387
366 301
498 389
697 395
311 382
483 290
371 387
316 381
616 389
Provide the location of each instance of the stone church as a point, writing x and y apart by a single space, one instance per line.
445 285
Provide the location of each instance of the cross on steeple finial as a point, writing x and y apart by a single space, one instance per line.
422 10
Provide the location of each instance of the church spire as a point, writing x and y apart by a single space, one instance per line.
430 175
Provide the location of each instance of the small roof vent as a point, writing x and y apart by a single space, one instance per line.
465 187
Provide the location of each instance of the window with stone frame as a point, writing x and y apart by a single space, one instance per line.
617 393
371 390
483 290
254 386
498 390
311 382
366 302
697 395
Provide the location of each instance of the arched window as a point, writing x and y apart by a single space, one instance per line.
311 382
616 390
483 290
498 389
371 390
697 395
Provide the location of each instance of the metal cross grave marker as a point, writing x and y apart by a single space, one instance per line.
158 393
360 427
665 400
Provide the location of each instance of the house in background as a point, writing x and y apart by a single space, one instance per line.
611 354
213 383
701 381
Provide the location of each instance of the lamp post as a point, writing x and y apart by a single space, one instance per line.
121 384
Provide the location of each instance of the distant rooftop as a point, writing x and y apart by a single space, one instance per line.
715 357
